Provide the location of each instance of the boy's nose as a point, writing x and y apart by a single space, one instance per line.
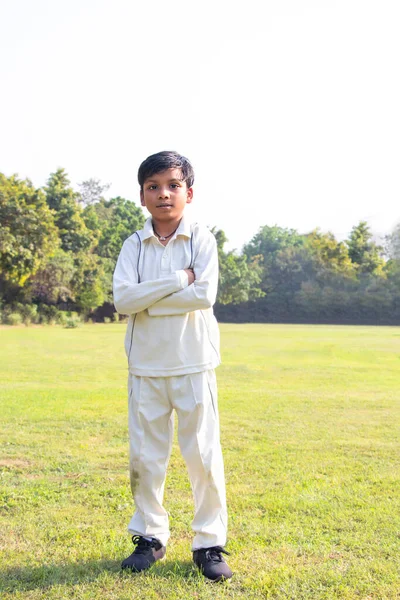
164 193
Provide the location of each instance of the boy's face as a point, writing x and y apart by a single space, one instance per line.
165 196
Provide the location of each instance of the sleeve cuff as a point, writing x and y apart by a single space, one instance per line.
183 278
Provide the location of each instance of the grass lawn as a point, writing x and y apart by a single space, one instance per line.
310 424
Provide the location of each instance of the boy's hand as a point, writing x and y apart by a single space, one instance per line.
191 276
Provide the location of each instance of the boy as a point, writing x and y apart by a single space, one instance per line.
166 281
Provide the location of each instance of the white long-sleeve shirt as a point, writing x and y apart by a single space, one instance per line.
171 329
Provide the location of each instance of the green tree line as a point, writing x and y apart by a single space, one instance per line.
59 246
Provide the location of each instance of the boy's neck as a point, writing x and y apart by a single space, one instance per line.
165 228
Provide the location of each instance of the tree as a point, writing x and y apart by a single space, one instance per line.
284 258
28 235
91 282
331 258
392 267
114 220
364 253
269 243
239 278
62 199
91 191
393 244
53 281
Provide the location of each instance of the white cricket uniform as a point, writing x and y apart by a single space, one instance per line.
172 345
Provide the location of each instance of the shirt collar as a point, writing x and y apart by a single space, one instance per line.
147 230
183 229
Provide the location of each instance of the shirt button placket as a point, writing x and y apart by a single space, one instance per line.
165 261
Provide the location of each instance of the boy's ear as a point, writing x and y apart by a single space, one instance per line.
142 198
189 195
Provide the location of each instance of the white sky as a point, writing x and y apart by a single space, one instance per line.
288 109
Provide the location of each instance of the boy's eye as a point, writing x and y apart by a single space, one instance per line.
174 185
152 187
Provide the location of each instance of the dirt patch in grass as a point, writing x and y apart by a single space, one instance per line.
14 462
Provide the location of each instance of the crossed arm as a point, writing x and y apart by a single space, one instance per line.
173 294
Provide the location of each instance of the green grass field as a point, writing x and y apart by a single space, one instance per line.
310 424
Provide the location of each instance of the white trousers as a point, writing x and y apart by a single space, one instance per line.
151 402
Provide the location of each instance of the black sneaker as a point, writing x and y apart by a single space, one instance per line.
211 563
144 555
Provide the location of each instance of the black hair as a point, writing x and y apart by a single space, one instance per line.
168 159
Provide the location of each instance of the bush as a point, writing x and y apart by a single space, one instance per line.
53 315
116 317
107 320
14 318
62 317
29 313
73 314
47 314
72 322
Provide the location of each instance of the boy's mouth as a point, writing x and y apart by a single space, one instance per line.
164 205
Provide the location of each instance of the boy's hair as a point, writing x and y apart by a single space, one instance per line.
168 159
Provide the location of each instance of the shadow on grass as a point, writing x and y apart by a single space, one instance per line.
23 579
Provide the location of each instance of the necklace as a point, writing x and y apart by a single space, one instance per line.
162 238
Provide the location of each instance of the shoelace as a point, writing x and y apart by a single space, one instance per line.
214 553
142 545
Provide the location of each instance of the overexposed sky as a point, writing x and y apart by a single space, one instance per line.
288 109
